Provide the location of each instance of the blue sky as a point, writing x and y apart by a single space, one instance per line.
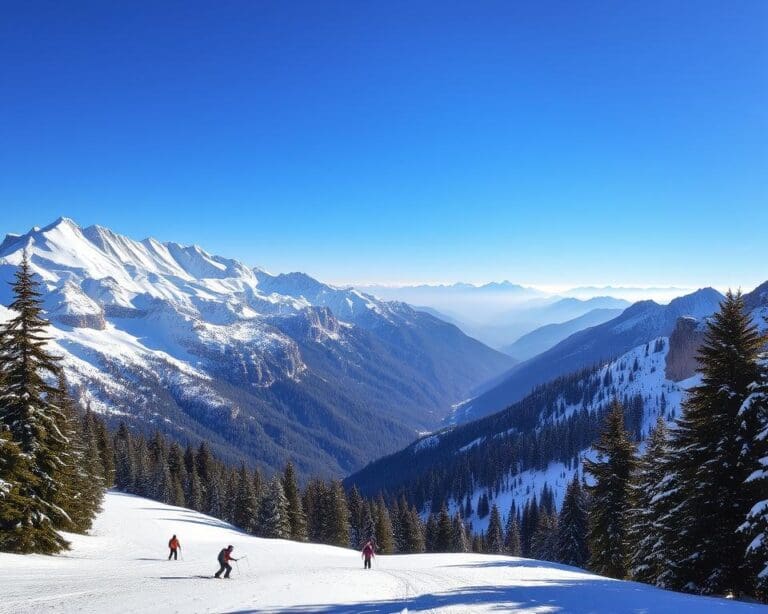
555 143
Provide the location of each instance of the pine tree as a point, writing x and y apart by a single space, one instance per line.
755 453
512 545
80 481
443 540
647 531
356 517
494 538
338 516
273 512
28 413
459 537
544 543
710 498
125 459
20 528
296 516
246 505
572 527
384 532
430 533
610 500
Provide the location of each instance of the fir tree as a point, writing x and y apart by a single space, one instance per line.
273 519
754 414
572 527
710 497
459 538
80 475
430 533
494 538
356 517
512 537
544 543
20 529
337 533
28 413
610 500
384 532
246 505
647 532
296 516
443 539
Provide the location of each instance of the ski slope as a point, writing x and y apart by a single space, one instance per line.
122 568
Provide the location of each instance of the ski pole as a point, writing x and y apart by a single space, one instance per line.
238 567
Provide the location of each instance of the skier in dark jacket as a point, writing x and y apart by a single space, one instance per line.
225 556
368 554
174 545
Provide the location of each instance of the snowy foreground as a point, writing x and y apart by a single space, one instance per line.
122 568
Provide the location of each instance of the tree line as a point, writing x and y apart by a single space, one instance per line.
691 511
54 459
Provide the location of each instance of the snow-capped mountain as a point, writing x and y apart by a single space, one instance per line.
265 367
537 443
638 324
542 439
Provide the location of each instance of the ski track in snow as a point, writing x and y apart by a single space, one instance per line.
122 567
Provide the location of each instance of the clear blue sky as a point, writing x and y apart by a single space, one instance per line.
544 142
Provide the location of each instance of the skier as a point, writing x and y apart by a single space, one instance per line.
367 554
225 556
174 545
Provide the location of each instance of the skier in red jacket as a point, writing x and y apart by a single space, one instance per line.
174 545
368 554
225 556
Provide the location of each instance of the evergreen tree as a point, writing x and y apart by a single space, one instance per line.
710 497
494 538
610 497
647 531
512 545
459 538
20 528
28 413
755 454
125 459
356 517
273 512
337 516
430 533
443 540
384 532
246 505
572 527
80 474
296 516
544 543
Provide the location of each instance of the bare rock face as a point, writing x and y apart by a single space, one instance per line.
95 321
684 343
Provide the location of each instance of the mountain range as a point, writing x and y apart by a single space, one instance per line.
636 325
540 440
264 367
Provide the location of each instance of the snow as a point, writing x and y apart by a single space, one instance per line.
641 371
172 311
122 567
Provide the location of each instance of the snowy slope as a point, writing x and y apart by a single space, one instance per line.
636 325
636 373
170 336
639 377
559 421
122 568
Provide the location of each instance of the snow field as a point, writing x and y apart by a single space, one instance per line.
122 567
